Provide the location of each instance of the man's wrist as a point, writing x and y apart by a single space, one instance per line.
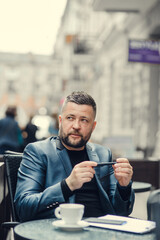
125 187
125 191
69 184
67 192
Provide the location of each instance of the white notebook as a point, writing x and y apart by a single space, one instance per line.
133 225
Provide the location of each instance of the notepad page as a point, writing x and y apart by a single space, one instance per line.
132 224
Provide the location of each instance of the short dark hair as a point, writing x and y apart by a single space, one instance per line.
80 98
11 111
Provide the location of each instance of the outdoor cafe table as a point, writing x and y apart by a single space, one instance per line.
44 230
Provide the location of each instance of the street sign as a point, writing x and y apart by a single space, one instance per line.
146 51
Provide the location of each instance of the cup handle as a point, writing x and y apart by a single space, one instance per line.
57 212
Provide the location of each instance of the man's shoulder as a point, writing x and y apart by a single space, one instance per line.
8 121
97 147
43 144
45 149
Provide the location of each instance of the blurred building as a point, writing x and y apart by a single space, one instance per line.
29 81
92 54
92 45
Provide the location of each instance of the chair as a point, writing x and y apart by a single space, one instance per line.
12 152
12 162
153 205
153 210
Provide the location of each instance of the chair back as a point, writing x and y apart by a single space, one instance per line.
153 210
12 163
153 205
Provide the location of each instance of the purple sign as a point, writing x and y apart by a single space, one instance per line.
147 51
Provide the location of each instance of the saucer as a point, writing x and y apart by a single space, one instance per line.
67 227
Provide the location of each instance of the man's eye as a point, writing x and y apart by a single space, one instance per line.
69 118
84 120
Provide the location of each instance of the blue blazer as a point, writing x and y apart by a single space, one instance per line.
45 164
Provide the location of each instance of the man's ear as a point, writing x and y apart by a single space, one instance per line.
94 125
60 119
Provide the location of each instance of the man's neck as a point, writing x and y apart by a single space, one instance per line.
72 148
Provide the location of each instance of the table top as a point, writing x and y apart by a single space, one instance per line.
141 187
43 229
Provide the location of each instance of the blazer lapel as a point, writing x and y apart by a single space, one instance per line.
65 161
64 158
93 157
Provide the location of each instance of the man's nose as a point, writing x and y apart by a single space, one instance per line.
76 124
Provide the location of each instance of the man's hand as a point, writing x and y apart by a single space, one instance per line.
123 171
81 173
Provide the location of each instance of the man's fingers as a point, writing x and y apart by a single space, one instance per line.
122 165
124 169
84 169
87 164
122 160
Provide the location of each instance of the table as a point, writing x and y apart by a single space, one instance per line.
44 230
142 191
141 187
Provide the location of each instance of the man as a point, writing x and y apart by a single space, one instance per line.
64 169
10 132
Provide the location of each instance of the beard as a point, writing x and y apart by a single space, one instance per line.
74 144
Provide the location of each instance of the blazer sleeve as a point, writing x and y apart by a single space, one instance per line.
33 199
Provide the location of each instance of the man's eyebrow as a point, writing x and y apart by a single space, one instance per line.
73 115
70 114
84 117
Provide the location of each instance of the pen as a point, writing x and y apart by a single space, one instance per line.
105 221
106 163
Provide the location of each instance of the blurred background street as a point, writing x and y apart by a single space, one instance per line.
108 48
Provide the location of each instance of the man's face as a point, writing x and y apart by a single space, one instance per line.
76 125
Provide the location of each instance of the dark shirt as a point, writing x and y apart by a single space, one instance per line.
88 194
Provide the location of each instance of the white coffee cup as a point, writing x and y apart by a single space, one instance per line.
70 213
